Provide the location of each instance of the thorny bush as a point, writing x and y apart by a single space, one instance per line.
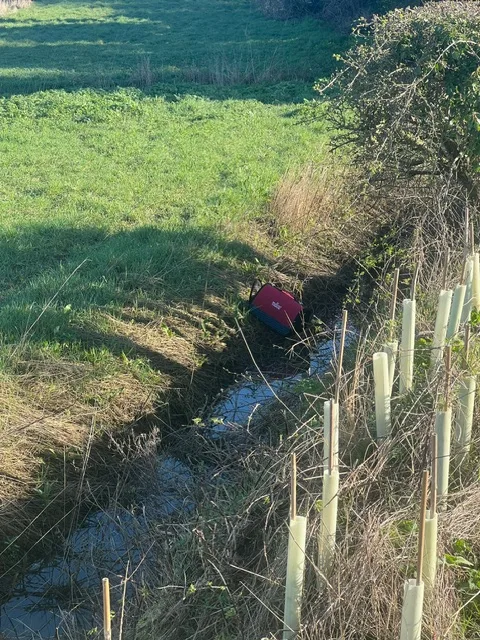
407 97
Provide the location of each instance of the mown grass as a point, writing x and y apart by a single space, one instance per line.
132 220
73 44
129 228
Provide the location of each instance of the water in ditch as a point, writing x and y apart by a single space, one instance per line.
60 596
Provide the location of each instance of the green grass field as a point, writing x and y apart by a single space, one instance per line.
75 44
132 219
153 199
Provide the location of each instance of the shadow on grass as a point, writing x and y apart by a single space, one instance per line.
136 278
86 268
143 294
215 49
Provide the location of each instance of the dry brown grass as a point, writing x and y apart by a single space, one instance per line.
315 212
242 69
54 413
143 75
13 5
224 577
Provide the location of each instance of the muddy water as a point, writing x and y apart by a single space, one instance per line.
59 596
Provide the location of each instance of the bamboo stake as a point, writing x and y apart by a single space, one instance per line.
107 617
340 355
472 238
421 533
293 488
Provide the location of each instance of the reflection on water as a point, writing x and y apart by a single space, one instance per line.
238 405
58 596
60 593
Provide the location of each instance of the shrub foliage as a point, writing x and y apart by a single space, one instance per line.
337 10
408 94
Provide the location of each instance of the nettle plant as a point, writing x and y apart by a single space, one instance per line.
408 94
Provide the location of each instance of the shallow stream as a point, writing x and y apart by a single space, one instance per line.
61 595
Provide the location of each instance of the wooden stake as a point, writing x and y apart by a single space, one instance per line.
467 344
107 618
467 227
393 303
340 355
330 435
433 483
448 373
472 238
421 533
463 279
413 286
445 269
293 488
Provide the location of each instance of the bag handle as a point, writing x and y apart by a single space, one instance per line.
257 281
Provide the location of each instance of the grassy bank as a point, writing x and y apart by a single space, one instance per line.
133 220
130 229
224 574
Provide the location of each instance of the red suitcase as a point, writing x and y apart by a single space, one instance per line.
278 309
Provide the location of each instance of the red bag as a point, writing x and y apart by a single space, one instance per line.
278 309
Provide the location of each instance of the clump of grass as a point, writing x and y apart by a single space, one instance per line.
243 68
12 5
143 76
236 558
314 207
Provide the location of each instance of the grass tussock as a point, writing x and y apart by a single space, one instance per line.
244 69
224 575
13 5
315 214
